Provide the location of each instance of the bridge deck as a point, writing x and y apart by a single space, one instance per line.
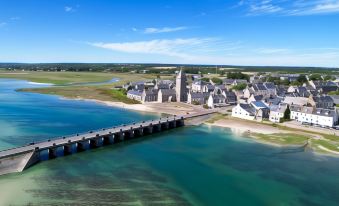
58 142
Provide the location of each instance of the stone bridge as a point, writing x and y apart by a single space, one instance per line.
20 158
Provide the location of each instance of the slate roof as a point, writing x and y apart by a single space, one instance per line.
259 104
323 99
167 91
259 87
199 95
250 109
269 85
134 92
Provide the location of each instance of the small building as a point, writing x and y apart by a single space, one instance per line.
216 100
208 88
198 98
277 112
149 95
166 95
244 111
296 100
197 86
135 95
314 116
231 97
321 102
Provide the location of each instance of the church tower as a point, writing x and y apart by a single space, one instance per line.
180 87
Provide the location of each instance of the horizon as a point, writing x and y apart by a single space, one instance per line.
261 33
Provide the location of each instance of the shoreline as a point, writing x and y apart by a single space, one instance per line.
246 129
172 108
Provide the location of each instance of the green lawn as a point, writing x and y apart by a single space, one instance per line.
283 138
97 92
71 77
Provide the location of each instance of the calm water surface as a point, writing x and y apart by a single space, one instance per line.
187 166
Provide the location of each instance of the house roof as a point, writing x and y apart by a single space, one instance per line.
296 100
259 87
134 92
269 85
323 99
259 104
197 95
250 109
167 91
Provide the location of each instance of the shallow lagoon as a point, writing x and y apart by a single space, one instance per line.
187 166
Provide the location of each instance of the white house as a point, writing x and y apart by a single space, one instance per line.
216 101
311 115
277 112
134 94
244 111
197 86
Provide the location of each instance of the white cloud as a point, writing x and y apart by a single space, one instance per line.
271 50
167 47
15 18
3 24
214 51
134 29
69 9
290 7
153 30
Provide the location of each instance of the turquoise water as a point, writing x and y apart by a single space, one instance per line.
187 166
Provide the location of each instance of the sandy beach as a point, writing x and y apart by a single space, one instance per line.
246 126
170 108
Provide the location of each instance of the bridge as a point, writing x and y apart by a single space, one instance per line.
20 158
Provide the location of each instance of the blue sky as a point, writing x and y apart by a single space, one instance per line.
232 32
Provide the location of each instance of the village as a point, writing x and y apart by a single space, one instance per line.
306 99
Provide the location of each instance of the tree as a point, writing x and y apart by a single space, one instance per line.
302 79
216 80
205 79
239 87
315 77
237 75
287 113
328 78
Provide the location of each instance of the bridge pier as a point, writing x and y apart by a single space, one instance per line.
82 146
165 125
157 127
139 132
68 149
107 140
180 122
95 143
52 153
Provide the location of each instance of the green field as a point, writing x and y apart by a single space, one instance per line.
61 78
97 92
283 138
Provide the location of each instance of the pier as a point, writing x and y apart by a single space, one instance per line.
20 158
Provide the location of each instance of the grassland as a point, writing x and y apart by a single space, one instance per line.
96 92
61 78
282 138
276 134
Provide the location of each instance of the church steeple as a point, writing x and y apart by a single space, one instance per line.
180 86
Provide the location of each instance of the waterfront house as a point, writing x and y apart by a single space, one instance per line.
216 100
277 112
135 95
244 111
321 102
315 116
